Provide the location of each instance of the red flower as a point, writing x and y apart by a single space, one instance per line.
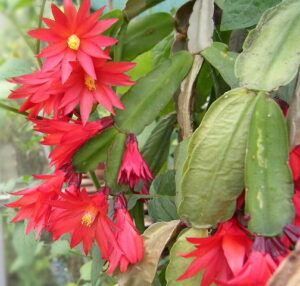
256 271
130 242
68 137
134 168
295 165
35 202
83 90
74 35
221 256
42 90
84 217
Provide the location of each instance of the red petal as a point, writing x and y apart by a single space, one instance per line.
87 63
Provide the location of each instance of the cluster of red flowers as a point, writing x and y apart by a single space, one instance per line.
76 75
233 256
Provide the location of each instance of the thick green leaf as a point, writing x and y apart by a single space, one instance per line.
152 93
239 14
223 60
213 174
114 160
162 207
269 183
144 33
178 264
271 54
94 151
135 7
156 149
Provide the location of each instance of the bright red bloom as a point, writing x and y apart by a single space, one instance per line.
68 137
221 256
84 217
130 242
295 165
35 202
83 90
256 271
74 36
134 168
42 91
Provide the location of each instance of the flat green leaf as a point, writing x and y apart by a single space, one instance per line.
223 60
271 52
60 248
144 65
201 26
156 237
25 246
269 183
85 271
213 174
144 33
152 93
114 160
156 149
178 264
96 268
94 151
162 207
135 7
117 14
238 14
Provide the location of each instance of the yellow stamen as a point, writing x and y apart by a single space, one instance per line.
89 217
73 42
90 83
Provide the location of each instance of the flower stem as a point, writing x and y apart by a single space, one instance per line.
137 213
95 179
38 42
12 109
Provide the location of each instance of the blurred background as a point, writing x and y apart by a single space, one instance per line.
23 260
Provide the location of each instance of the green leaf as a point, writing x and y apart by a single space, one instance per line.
85 271
96 268
15 67
156 149
271 54
144 65
223 60
117 14
25 246
239 14
144 33
94 151
178 264
114 160
163 208
152 93
269 183
213 174
135 7
60 248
